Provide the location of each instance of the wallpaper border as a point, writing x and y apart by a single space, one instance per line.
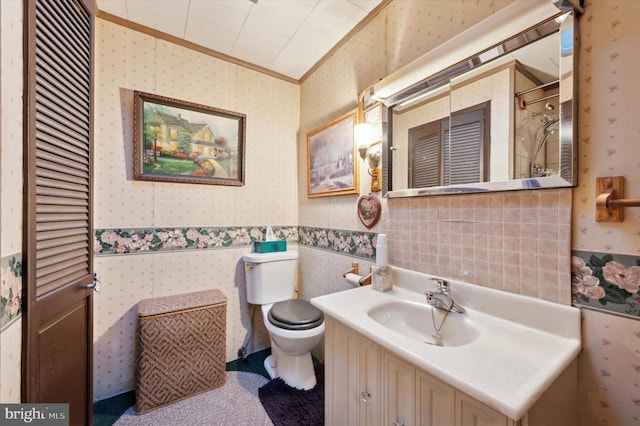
602 281
119 241
10 290
606 282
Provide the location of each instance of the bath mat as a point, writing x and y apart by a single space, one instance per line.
289 406
235 403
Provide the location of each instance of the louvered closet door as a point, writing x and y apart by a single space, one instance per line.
425 155
462 156
464 146
57 344
425 162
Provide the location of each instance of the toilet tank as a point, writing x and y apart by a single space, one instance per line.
270 277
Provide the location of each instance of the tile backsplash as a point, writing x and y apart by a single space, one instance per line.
515 241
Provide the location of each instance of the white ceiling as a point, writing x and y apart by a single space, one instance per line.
287 37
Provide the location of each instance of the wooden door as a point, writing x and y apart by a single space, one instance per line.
58 242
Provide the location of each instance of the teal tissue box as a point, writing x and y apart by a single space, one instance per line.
270 246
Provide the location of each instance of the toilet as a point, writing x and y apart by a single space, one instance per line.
295 326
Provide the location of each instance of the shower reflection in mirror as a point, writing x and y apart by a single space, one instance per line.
537 136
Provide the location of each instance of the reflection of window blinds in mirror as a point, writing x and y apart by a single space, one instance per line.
465 149
425 158
431 156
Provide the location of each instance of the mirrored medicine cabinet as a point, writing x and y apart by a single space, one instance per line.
501 119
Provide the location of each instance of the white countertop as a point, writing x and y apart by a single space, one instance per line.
524 343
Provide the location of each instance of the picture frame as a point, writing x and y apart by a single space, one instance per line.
373 115
185 142
332 166
366 98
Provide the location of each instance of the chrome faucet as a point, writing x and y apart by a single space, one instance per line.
441 298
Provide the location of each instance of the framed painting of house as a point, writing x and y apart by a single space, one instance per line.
332 168
184 142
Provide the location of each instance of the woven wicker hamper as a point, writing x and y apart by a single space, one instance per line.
180 347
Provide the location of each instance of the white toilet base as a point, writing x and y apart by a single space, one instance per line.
296 371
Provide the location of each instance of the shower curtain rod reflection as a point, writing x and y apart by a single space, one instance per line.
542 86
523 104
520 95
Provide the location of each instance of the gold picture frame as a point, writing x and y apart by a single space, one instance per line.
184 142
332 166
373 115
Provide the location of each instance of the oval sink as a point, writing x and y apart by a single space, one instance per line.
414 320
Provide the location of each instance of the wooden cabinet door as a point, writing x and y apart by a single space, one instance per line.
368 374
351 381
398 391
470 412
435 401
333 387
366 385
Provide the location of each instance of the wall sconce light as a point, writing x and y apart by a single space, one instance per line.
369 141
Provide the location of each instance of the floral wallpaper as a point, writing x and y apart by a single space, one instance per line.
141 240
609 282
10 289
354 243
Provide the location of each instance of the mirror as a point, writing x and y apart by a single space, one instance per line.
501 119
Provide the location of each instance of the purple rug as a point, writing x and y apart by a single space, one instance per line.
287 406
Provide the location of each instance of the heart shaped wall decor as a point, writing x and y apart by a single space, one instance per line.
369 210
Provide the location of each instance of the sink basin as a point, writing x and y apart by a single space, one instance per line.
505 350
414 320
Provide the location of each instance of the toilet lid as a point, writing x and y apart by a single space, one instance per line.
295 314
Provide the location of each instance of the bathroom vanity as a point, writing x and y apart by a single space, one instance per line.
506 360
